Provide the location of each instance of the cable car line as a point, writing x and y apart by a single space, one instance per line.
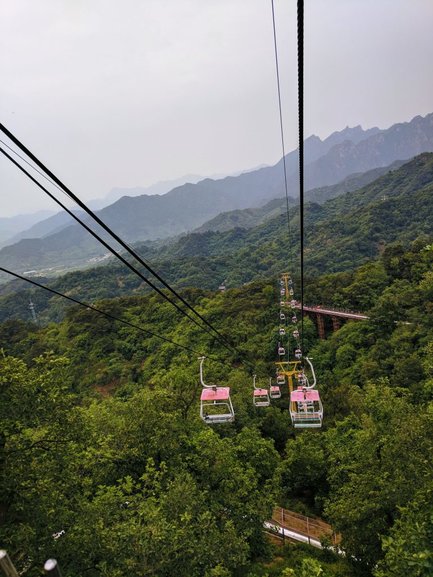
115 253
114 235
306 409
216 407
300 32
277 69
33 167
108 315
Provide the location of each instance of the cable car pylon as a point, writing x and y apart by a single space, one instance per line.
306 409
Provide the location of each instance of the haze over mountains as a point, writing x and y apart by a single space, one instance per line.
43 223
10 225
189 206
249 217
158 188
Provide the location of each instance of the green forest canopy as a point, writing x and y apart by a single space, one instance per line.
101 436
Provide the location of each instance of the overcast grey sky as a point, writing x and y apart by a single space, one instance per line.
130 92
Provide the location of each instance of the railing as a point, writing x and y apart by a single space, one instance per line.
293 526
319 309
343 313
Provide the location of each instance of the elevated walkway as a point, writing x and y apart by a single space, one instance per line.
292 526
318 310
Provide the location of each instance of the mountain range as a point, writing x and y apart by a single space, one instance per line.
352 151
341 234
46 222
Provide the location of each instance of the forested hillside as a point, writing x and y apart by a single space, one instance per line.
250 217
229 376
341 234
102 442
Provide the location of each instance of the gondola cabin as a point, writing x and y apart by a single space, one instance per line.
275 392
282 331
306 410
215 403
216 406
261 398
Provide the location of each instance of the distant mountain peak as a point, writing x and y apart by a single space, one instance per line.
355 134
313 138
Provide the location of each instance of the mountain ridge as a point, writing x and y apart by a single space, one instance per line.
343 233
189 206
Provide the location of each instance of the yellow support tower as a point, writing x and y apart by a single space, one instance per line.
289 369
285 278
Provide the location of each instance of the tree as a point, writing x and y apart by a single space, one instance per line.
303 469
369 479
408 548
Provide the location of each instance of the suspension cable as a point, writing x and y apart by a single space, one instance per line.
114 252
277 69
220 338
113 234
108 315
33 167
300 31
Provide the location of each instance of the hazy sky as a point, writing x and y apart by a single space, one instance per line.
130 92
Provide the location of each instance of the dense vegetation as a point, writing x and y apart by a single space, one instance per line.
101 436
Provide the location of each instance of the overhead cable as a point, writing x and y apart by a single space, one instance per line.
122 243
108 315
221 340
33 167
300 30
277 69
112 250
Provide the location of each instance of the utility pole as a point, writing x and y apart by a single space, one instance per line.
32 310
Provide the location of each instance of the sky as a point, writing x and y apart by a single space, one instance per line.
126 93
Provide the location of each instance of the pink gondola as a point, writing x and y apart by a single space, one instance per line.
260 396
306 410
215 402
